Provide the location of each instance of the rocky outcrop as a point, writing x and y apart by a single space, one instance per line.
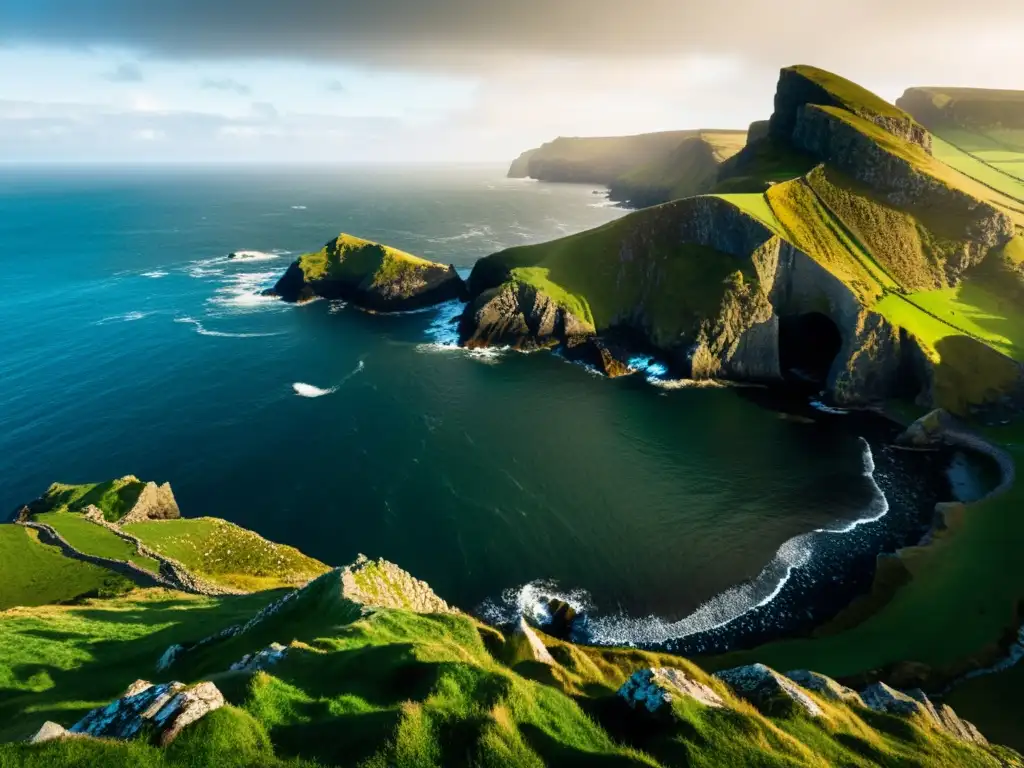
834 138
517 315
801 86
655 689
380 584
155 713
155 502
410 290
520 168
525 644
267 657
881 698
772 693
824 686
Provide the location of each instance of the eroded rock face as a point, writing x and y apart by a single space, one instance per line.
914 703
155 502
380 584
519 316
654 690
262 659
156 712
772 693
824 686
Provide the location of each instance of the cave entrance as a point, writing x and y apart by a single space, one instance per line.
808 344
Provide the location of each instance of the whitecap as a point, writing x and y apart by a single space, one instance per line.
605 204
245 290
203 331
244 255
127 317
155 274
473 231
308 390
298 207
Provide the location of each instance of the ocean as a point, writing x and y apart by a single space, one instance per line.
133 345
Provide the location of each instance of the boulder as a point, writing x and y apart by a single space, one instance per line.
49 731
527 646
562 618
252 662
927 431
654 689
824 686
156 712
772 693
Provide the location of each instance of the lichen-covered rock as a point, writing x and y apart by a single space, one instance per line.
262 659
654 689
769 691
824 686
49 731
380 584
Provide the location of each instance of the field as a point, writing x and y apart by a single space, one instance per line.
33 573
1003 176
114 497
226 553
94 539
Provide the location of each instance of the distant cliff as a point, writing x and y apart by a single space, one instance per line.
640 170
966 108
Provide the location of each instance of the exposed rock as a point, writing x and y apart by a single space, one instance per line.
769 691
371 276
927 431
49 731
518 315
798 88
520 168
527 645
155 502
562 618
610 362
157 712
915 703
380 584
824 686
169 657
656 688
262 659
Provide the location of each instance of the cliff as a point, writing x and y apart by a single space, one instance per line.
971 109
640 170
370 275
842 213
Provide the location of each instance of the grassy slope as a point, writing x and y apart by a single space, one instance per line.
94 539
691 168
32 573
849 94
114 497
586 274
352 258
397 688
226 553
996 169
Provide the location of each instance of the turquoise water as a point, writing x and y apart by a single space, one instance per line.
132 345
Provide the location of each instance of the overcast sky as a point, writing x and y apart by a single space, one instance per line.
439 80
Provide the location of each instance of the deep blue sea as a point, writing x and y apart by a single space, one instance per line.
131 344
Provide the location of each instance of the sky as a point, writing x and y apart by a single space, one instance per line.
448 80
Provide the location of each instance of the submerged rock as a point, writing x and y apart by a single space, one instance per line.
157 712
770 692
654 689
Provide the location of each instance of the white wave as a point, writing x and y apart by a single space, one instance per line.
531 599
298 207
255 255
605 204
155 274
690 383
473 231
336 305
245 290
203 331
199 271
818 405
127 317
308 390
443 333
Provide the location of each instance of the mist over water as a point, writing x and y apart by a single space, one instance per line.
677 514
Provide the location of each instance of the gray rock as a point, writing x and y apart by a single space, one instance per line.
269 656
824 686
769 691
159 712
881 698
169 657
654 689
49 731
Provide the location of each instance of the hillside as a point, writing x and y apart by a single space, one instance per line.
640 170
911 260
372 276
365 666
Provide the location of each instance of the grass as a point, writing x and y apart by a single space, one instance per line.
33 573
94 539
353 259
754 204
671 286
1002 177
849 95
226 553
405 689
114 497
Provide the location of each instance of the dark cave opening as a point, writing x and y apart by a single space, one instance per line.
808 345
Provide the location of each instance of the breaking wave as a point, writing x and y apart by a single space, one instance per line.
127 317
531 599
308 390
203 331
256 255
474 231
443 333
244 290
155 274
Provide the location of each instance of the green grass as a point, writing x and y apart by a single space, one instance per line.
114 497
754 204
354 259
94 539
978 166
33 573
401 689
851 96
226 553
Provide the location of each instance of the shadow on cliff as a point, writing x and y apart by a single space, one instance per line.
970 372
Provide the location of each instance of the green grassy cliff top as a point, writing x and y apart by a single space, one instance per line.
353 258
847 93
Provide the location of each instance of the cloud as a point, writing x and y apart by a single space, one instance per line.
126 72
226 84
335 86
